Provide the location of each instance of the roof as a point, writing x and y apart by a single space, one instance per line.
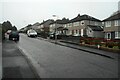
46 21
63 21
113 17
36 24
95 28
61 28
84 17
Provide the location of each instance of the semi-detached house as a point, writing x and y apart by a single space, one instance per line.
84 25
112 26
58 26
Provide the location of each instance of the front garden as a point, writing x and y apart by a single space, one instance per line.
113 45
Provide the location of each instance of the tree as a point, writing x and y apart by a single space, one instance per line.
6 26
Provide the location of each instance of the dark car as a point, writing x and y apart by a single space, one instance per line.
14 35
59 36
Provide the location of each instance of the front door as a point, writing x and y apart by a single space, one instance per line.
109 35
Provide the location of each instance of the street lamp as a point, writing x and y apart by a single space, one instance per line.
55 19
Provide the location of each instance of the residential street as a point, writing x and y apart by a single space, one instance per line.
55 61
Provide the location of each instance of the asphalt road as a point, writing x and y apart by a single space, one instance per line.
55 61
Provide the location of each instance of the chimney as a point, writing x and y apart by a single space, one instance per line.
78 15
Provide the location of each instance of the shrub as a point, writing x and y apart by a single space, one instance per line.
110 44
119 45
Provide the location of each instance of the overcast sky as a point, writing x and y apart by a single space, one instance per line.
23 12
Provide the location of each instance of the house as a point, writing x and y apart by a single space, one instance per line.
45 26
112 26
35 26
95 31
58 26
78 26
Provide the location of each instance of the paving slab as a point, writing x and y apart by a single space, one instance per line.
15 64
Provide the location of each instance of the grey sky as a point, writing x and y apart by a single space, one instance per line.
21 13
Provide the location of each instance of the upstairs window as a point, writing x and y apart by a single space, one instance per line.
51 25
82 23
96 23
69 25
76 23
108 24
116 23
41 26
65 25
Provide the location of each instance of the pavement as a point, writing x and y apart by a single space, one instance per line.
15 64
0 60
100 52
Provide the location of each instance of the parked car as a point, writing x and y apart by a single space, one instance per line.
31 33
14 35
52 36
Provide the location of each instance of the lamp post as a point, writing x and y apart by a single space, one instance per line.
55 19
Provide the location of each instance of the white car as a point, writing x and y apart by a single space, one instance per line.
31 33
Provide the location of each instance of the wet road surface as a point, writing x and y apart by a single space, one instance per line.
55 61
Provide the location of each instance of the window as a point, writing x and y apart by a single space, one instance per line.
108 24
50 25
74 31
96 23
41 26
65 25
117 34
90 31
82 22
116 22
69 24
76 23
53 24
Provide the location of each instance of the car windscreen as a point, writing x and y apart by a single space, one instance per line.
14 33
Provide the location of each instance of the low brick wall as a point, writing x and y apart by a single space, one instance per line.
72 38
93 46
